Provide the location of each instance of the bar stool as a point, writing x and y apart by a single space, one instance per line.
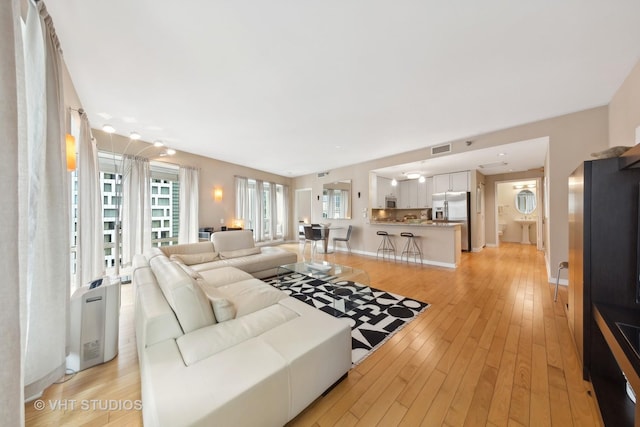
386 245
562 265
411 248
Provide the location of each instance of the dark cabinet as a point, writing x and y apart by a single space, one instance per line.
603 273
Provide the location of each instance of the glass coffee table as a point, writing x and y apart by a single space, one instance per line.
335 288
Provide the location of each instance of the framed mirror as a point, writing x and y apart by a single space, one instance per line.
525 202
336 200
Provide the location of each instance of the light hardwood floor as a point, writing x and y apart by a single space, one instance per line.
493 349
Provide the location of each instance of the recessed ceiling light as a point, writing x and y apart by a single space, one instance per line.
502 154
158 143
171 151
108 128
134 135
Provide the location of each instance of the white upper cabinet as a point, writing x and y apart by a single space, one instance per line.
457 181
425 190
383 189
408 198
460 181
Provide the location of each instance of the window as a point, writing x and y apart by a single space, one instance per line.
165 224
263 207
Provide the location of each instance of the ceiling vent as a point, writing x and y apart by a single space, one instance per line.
440 149
321 174
493 165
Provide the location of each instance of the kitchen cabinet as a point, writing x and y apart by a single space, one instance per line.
408 198
383 189
425 190
457 181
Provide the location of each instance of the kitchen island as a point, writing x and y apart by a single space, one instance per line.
440 241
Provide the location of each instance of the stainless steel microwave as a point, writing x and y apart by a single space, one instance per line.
390 202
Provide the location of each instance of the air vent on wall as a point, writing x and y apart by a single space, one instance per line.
440 149
321 174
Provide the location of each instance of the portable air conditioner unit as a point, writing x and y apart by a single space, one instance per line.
93 324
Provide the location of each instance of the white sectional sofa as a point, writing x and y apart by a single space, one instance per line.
220 347
231 249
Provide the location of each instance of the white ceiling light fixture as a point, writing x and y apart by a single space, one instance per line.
135 136
422 179
412 175
108 129
158 143
171 151
394 182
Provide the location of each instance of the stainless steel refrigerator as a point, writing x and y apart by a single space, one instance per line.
454 207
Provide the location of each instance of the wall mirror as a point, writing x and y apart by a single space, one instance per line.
525 202
336 200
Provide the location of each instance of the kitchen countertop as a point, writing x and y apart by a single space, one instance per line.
416 224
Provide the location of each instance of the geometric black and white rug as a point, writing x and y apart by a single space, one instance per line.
374 315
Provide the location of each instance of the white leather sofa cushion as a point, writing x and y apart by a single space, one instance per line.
245 386
205 342
190 259
251 295
188 301
223 276
317 348
191 248
226 241
267 260
239 252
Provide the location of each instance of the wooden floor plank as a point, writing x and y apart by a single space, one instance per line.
493 349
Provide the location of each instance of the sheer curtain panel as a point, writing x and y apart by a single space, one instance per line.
242 198
136 207
189 178
12 227
47 214
89 248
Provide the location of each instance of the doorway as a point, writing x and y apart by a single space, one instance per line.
520 212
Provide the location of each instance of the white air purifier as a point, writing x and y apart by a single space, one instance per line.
93 324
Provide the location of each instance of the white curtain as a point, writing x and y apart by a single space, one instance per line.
89 246
273 211
189 194
13 242
136 207
47 214
242 194
331 202
259 209
285 211
344 205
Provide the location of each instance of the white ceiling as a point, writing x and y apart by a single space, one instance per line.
513 157
300 87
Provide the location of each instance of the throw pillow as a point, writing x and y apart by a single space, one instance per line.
223 309
239 252
191 259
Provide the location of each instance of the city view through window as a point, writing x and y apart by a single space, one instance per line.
165 196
